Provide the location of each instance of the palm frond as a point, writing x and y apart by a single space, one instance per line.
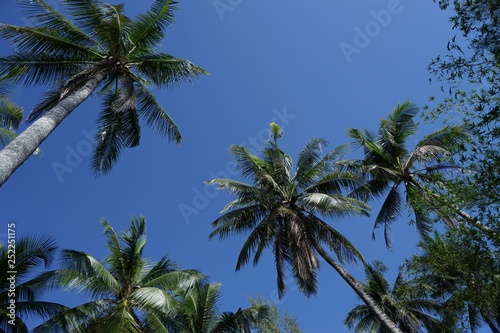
260 238
75 319
109 137
154 299
237 221
43 14
83 272
35 68
164 70
399 125
333 205
44 40
148 29
448 137
336 242
156 117
389 212
10 119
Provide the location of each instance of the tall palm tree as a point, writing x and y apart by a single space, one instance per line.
19 258
128 292
199 313
406 303
390 165
96 45
282 211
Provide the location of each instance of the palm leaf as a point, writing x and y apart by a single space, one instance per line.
155 116
84 272
44 40
148 29
164 70
389 212
109 137
38 68
44 15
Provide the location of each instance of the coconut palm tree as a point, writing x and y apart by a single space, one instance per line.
19 258
283 211
406 303
128 292
199 313
390 165
96 45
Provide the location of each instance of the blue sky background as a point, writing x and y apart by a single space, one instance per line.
282 61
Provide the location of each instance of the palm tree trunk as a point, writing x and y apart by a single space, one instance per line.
21 148
358 288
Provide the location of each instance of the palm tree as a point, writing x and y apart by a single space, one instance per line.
199 313
96 45
128 292
18 260
390 165
406 303
282 211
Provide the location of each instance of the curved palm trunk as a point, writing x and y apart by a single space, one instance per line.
21 148
358 288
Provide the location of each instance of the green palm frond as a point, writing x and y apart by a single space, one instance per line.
148 29
391 209
260 238
38 68
237 221
10 119
399 125
31 252
164 69
447 137
83 272
122 320
335 241
44 15
45 40
155 116
75 319
115 131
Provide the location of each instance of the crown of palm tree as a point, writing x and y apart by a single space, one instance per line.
390 165
96 41
281 210
406 303
128 292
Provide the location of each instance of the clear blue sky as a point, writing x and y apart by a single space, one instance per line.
304 65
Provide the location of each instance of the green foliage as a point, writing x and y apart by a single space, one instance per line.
463 271
276 321
10 119
470 77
